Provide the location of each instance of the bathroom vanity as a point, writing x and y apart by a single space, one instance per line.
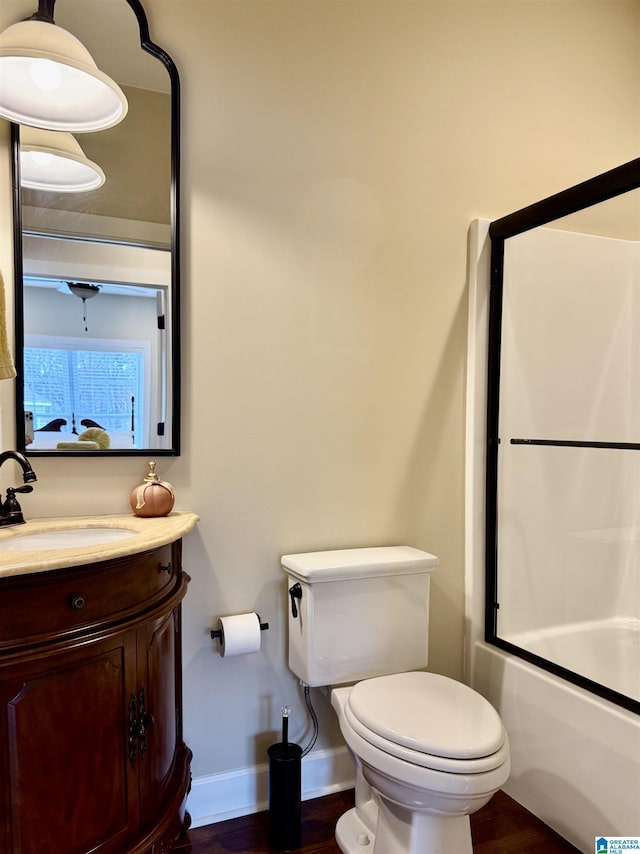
92 757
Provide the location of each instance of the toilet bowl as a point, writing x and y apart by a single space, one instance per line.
430 751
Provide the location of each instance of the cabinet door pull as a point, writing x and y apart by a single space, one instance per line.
133 729
166 567
140 722
145 722
78 602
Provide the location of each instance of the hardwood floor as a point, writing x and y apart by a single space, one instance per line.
502 827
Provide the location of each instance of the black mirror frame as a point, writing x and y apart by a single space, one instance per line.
622 179
175 361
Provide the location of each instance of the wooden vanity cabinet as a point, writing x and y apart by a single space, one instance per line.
92 757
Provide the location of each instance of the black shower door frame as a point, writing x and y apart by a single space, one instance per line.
603 187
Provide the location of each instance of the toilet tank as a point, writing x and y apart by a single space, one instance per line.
358 613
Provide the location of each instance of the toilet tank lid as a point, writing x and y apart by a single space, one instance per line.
341 564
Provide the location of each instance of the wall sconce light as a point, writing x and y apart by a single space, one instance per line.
55 162
48 79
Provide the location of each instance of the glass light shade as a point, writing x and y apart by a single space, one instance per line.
56 162
49 80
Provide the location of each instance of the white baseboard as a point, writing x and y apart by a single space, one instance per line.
217 797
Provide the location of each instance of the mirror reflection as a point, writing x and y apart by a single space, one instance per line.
95 348
96 334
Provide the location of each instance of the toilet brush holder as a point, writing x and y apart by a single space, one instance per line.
285 798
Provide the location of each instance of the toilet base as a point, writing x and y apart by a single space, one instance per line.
426 834
352 835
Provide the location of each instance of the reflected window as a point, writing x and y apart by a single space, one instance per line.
73 384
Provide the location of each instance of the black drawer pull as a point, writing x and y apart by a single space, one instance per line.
166 567
78 603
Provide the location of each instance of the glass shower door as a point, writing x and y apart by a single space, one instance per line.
563 555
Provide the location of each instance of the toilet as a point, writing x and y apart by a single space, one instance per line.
428 750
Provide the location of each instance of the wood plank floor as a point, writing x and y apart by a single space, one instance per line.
501 827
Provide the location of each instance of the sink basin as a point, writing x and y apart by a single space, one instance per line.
67 538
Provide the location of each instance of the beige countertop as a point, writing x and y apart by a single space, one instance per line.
147 534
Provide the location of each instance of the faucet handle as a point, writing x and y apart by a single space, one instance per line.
11 510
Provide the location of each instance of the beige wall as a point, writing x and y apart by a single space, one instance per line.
334 154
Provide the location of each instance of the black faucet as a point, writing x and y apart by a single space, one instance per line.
10 510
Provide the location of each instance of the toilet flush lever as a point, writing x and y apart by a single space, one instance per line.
296 593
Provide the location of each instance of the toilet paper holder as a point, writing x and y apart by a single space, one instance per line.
217 633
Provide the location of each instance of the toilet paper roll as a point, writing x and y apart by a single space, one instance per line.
240 634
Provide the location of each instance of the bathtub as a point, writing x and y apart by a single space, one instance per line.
575 757
605 651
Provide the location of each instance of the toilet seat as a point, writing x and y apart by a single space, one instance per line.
428 720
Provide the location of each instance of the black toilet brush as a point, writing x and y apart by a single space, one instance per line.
285 798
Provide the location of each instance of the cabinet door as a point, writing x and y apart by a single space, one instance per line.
68 785
159 686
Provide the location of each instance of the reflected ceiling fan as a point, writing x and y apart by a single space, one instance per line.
84 291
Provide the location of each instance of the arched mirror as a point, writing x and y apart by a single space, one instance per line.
97 271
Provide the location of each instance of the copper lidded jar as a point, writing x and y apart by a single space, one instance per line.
154 497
